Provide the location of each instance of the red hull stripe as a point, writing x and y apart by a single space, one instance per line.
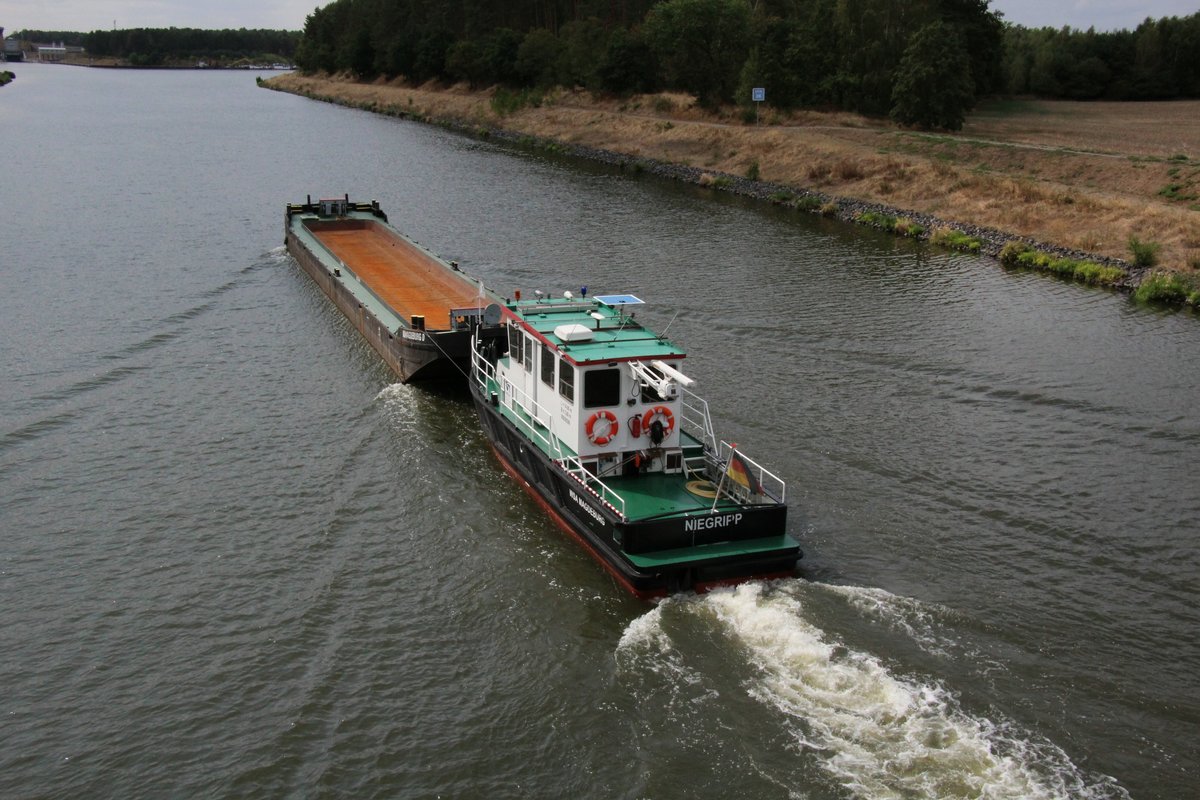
566 526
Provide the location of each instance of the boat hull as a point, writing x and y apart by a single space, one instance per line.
610 539
412 353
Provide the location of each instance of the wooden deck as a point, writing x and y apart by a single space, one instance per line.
406 278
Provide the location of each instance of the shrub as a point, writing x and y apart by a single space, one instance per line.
1145 254
810 204
752 171
956 240
1011 253
877 219
830 209
848 170
1162 287
906 227
780 198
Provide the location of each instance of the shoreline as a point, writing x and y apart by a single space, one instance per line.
473 113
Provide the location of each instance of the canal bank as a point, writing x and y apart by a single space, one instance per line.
847 169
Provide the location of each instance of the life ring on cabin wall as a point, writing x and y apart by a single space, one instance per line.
601 439
668 419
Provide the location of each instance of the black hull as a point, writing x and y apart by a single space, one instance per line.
430 356
603 533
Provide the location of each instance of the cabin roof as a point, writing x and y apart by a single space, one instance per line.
616 336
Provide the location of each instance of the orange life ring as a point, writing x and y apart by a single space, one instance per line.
660 411
603 438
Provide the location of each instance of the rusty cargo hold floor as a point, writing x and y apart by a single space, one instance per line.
409 280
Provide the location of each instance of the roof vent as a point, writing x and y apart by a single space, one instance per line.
573 333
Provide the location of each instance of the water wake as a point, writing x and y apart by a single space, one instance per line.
876 734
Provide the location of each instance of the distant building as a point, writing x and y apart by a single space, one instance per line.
12 48
51 52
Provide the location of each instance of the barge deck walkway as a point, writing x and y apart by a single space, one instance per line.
409 280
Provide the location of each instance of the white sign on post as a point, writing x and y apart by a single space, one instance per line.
757 94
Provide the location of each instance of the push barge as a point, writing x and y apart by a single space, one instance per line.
416 309
590 412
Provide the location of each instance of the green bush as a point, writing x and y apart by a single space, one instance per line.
809 203
956 240
1145 254
830 209
879 220
906 227
1011 252
780 198
1162 287
752 171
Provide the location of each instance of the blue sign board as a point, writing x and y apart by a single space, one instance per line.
758 94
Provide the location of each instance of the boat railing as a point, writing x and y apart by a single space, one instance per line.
592 484
535 417
482 370
696 419
771 484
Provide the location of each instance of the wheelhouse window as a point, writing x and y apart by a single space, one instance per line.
548 366
529 354
514 343
566 381
601 387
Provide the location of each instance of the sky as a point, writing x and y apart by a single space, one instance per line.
89 15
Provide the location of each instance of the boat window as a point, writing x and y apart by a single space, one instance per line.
514 343
566 381
601 387
529 354
547 366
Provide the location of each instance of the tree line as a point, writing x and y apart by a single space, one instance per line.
154 46
1158 60
922 61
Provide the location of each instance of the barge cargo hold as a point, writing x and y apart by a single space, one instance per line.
590 412
417 310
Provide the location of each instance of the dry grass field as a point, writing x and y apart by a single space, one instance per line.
1086 176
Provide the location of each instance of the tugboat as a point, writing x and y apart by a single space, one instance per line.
591 413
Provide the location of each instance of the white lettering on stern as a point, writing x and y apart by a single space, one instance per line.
586 507
704 523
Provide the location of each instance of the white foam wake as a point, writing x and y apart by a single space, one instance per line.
877 734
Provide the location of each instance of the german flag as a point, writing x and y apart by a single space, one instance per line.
740 473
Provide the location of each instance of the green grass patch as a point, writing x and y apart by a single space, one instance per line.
781 198
906 227
1019 254
956 240
1169 288
878 219
808 203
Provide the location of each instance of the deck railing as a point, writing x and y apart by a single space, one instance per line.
695 417
592 484
772 485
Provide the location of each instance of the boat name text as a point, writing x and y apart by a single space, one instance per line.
415 336
591 511
701 523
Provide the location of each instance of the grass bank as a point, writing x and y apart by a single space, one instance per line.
1074 180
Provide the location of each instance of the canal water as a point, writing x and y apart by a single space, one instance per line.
238 560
